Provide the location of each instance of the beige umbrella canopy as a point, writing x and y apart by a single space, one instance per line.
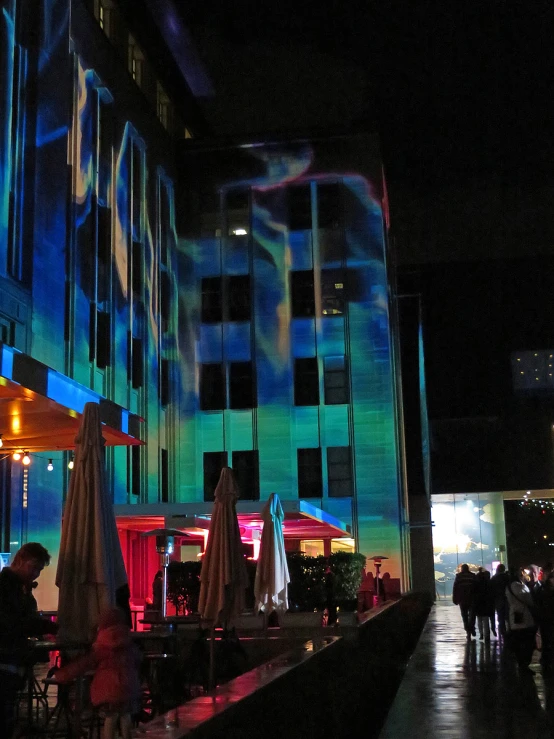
272 572
90 564
223 578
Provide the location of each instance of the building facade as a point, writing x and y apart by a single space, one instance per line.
238 301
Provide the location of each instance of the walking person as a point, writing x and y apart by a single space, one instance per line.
499 582
521 622
19 620
115 687
544 601
483 603
463 595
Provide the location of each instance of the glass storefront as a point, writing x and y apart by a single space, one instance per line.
466 528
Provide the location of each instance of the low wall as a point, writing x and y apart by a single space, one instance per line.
330 686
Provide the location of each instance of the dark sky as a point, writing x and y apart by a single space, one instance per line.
455 86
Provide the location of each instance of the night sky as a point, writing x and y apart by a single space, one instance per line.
459 89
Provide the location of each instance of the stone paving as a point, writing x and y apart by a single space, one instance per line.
454 689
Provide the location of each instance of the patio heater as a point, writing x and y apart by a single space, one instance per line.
377 561
165 540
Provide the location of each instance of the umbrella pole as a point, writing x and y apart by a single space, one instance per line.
211 677
164 586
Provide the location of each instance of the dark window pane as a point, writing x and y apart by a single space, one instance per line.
242 389
137 189
339 471
247 474
306 381
211 300
135 482
333 292
137 268
164 476
165 301
137 363
300 208
329 205
212 387
104 252
213 464
164 382
335 380
309 473
302 294
239 298
237 205
103 339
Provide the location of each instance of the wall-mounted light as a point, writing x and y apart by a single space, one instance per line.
50 466
26 459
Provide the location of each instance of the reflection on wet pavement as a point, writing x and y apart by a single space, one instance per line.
454 688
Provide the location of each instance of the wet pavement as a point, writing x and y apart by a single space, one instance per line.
468 690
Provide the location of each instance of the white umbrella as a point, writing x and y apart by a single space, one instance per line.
272 572
223 577
90 564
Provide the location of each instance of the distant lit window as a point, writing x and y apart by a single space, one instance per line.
164 108
302 293
533 371
237 211
103 13
135 60
333 292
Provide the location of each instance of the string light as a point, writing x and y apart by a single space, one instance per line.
16 456
50 466
70 464
26 459
1 441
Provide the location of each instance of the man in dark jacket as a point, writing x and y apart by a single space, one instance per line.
499 582
19 620
463 595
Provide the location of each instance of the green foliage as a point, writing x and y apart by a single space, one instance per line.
347 568
307 582
183 585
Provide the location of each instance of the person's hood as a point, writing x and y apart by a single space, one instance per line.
114 637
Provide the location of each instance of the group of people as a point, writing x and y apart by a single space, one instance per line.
115 659
517 606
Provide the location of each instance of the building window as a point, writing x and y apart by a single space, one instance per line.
329 205
339 471
165 302
533 371
214 462
164 383
239 298
333 292
135 60
300 208
103 14
133 469
163 107
212 305
164 476
335 380
136 363
306 381
212 387
242 388
103 339
237 208
309 473
136 268
247 473
302 293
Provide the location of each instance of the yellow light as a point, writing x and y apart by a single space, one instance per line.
518 359
70 464
50 466
1 442
16 456
26 459
16 424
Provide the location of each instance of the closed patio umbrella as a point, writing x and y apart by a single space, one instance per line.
272 572
223 577
90 564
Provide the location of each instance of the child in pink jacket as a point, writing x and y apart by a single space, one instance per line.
115 686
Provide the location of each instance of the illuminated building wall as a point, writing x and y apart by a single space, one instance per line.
88 281
284 215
